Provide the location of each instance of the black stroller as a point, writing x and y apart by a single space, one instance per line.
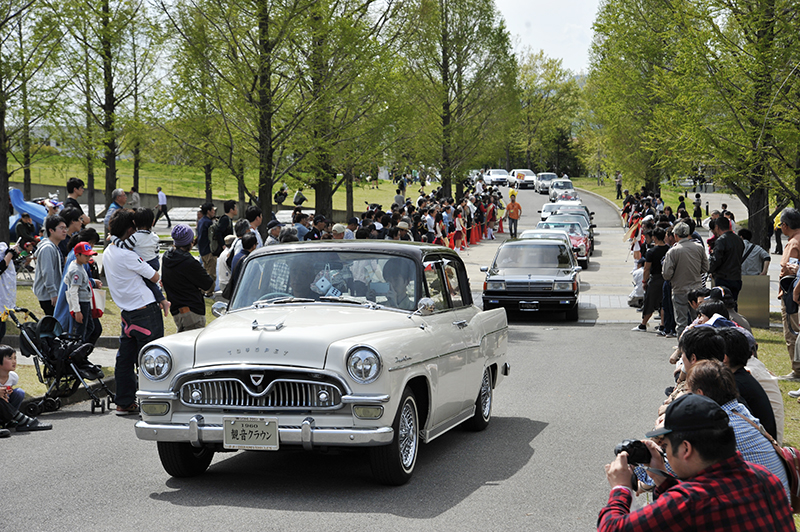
61 360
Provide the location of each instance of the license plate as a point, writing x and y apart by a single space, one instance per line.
253 433
529 305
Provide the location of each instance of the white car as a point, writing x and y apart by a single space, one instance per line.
557 186
543 180
326 344
522 178
496 177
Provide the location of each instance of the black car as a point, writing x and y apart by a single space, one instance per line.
533 275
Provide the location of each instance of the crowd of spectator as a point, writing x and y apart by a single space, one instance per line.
713 429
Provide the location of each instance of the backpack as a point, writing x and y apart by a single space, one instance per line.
214 240
229 260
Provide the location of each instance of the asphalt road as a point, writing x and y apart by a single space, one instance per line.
574 392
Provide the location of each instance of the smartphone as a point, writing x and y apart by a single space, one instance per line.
793 260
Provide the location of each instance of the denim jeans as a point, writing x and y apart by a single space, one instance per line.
512 226
138 328
16 397
83 330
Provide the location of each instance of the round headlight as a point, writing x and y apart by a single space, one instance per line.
156 363
364 365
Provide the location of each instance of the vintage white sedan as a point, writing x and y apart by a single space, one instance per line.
361 343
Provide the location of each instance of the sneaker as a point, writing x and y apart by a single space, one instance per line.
794 393
132 408
34 425
640 328
670 335
5 433
794 377
660 332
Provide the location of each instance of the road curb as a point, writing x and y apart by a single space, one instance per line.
605 199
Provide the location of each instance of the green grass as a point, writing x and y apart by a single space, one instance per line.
772 352
29 381
110 319
189 181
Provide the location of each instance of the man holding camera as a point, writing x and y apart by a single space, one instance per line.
715 488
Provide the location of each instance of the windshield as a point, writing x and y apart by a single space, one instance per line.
547 177
562 185
571 219
359 277
533 256
573 229
498 172
549 208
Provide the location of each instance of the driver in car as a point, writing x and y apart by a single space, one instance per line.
398 274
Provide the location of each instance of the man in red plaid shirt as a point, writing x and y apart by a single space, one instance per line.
717 489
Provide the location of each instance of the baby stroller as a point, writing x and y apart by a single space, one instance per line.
61 360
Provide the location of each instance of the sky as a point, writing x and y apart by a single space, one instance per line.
562 28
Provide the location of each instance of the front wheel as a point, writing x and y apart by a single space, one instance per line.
182 460
483 404
393 464
572 314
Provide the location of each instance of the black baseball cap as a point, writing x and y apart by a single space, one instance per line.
274 223
692 412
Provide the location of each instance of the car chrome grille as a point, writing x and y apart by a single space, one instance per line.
529 286
280 394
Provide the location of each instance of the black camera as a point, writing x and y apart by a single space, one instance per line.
638 453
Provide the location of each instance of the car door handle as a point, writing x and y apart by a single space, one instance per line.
461 324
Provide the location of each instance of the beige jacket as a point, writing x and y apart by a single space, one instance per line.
684 265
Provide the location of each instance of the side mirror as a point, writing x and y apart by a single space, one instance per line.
219 308
539 212
592 226
426 306
577 269
591 213
484 268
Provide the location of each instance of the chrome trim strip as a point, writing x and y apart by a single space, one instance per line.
431 434
365 399
350 437
144 395
434 357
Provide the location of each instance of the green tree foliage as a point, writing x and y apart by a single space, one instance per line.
549 97
464 74
713 84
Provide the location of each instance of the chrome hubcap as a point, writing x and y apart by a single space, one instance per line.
407 438
486 396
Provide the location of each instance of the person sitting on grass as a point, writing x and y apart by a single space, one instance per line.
10 416
9 377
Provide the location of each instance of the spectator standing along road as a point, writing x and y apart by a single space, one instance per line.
162 207
715 488
118 200
514 211
755 259
684 265
790 226
134 200
75 188
8 281
141 320
185 281
49 264
725 263
204 244
618 184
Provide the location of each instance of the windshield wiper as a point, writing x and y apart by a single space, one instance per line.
342 299
259 304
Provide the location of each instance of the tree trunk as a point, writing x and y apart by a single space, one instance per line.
265 113
348 184
447 133
26 125
4 209
207 170
239 175
137 162
109 103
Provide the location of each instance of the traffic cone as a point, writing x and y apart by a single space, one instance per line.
501 226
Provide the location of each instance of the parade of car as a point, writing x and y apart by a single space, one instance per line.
532 275
328 344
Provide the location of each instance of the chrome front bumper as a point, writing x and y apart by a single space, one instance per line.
198 433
